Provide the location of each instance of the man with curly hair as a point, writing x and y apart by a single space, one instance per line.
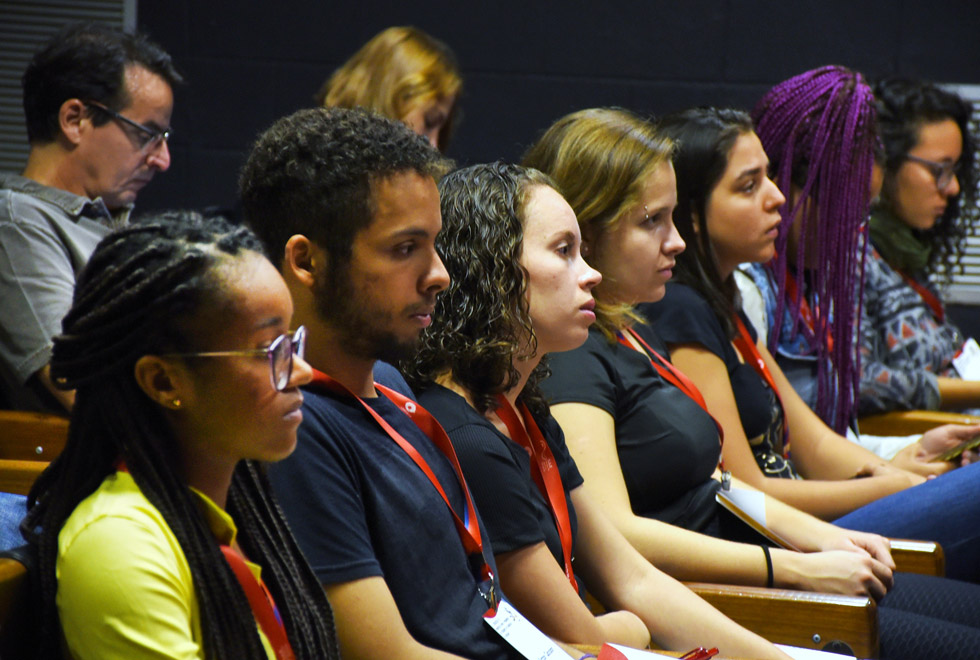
347 206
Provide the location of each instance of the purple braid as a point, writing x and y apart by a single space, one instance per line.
819 130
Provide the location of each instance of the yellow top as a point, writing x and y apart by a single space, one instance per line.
124 586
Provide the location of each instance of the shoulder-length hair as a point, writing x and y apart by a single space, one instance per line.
482 322
399 69
904 106
600 158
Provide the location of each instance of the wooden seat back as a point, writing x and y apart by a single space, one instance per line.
28 442
908 422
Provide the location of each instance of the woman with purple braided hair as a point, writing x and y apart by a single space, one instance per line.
819 131
728 213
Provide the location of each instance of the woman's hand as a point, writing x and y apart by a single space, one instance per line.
881 469
836 571
862 543
938 440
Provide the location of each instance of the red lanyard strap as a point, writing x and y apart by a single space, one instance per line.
468 528
928 297
792 291
259 599
263 606
672 375
750 353
545 473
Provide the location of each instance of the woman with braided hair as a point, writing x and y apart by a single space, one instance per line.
729 214
640 430
146 527
819 132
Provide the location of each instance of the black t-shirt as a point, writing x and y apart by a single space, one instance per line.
498 471
360 507
667 445
684 317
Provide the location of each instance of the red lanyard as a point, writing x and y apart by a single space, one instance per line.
750 353
259 599
928 297
468 527
263 606
672 375
792 291
545 473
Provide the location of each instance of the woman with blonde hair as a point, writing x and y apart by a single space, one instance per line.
405 74
648 453
640 430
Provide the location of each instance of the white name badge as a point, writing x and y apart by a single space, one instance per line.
523 636
967 361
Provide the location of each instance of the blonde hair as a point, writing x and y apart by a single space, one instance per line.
600 158
399 69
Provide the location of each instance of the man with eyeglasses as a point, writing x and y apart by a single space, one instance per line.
97 104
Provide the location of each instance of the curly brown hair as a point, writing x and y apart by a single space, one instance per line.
482 321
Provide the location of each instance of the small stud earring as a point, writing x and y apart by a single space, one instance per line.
176 403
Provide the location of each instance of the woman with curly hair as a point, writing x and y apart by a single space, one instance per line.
520 289
156 530
918 232
405 74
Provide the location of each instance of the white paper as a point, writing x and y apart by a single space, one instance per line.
810 654
752 502
636 653
967 361
523 636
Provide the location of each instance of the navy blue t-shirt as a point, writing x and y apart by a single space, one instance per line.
360 507
498 471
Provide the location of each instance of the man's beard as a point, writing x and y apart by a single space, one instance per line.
362 330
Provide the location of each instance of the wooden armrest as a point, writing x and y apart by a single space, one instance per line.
30 436
907 422
798 618
19 476
925 557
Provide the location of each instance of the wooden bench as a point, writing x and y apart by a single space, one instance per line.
28 442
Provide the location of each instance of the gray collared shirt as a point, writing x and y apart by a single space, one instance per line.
46 237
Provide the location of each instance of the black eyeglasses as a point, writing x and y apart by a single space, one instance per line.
148 138
280 354
943 172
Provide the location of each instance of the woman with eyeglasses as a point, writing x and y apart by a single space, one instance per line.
918 231
156 531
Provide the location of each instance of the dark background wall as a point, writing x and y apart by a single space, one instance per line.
525 62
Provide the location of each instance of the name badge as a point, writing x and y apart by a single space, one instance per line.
523 636
967 360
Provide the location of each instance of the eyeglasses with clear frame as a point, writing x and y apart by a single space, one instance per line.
280 355
943 172
148 138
